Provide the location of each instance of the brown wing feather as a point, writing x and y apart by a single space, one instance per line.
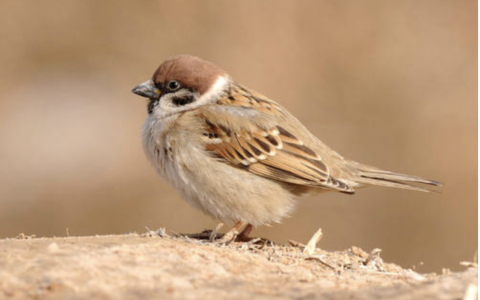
261 148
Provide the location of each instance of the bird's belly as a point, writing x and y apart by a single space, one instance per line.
231 194
220 190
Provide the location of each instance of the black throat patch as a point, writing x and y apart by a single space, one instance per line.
151 104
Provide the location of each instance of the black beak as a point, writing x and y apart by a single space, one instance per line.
147 89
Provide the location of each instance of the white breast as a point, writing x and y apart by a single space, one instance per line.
163 146
157 144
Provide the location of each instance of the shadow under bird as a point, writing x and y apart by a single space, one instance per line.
237 155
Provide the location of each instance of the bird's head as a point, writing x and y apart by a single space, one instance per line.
182 83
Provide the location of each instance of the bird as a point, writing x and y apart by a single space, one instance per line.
239 156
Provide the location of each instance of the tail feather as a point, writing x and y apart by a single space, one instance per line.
373 176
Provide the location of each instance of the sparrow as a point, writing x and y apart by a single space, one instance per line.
237 155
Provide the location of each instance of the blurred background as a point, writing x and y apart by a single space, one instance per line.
387 83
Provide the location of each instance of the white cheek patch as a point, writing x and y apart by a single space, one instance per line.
166 107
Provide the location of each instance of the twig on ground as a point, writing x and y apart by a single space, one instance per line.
296 244
214 233
319 258
310 248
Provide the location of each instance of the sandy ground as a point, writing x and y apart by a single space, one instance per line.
158 265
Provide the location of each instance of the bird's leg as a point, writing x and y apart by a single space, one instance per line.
244 235
232 234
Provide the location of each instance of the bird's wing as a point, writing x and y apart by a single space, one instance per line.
249 137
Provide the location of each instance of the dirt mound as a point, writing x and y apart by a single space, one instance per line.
160 266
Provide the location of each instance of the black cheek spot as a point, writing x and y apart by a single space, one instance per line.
183 101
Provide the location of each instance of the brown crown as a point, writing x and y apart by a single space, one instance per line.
190 71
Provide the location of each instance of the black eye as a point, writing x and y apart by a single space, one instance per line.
173 85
